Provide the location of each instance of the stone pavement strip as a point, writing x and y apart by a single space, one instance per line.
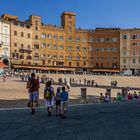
113 121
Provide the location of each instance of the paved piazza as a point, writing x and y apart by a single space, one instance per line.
13 92
107 121
113 121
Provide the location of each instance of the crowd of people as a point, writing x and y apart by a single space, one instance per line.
84 82
128 96
120 97
51 98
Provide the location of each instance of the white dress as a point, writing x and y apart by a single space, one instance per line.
51 102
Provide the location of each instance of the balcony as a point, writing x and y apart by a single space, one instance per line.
25 50
16 61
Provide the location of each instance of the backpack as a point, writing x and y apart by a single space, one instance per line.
48 94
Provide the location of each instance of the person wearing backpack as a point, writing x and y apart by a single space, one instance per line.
64 102
33 90
58 102
49 97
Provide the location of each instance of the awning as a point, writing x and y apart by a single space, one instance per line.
2 65
105 70
44 68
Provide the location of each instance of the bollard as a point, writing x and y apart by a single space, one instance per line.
108 91
83 95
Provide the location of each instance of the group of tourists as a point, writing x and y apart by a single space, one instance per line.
51 98
127 97
120 97
84 81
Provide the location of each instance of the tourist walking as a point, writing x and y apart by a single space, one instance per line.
33 89
58 101
64 102
49 97
37 94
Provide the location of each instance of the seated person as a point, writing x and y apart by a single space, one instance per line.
135 96
101 98
129 97
119 97
106 98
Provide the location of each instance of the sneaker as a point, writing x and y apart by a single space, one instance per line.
33 111
28 104
49 114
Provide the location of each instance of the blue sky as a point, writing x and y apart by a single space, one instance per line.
90 13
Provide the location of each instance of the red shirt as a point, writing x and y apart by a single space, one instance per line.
34 85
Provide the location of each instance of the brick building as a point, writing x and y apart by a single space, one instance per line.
65 48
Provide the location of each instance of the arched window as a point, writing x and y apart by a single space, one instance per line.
5 30
5 51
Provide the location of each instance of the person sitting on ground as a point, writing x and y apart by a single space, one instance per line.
119 97
135 96
106 98
101 98
129 96
64 102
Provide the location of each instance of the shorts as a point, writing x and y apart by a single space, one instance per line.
64 104
33 96
58 102
37 96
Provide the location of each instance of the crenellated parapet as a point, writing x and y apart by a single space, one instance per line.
107 29
51 27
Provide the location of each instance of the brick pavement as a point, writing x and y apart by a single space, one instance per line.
114 121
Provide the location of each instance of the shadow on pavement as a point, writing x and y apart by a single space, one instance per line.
19 103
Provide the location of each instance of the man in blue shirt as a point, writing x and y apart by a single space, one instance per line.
64 102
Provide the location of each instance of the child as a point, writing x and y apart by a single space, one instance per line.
101 98
58 102
64 102
106 98
49 97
